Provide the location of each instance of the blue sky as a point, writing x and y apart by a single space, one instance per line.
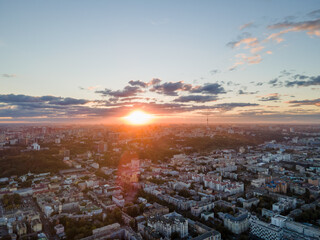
77 49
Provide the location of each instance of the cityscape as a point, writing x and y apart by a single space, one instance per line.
160 120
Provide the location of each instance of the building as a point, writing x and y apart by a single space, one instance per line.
21 228
169 224
101 147
36 225
156 209
248 203
201 207
118 200
258 182
206 233
207 215
263 230
238 223
284 204
277 186
35 146
282 227
59 229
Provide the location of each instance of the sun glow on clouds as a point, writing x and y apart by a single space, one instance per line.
138 118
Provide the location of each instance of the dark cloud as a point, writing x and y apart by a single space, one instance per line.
138 83
307 81
241 92
196 98
315 102
275 82
300 77
24 99
270 97
171 88
208 88
69 101
128 91
315 13
230 83
155 81
230 106
285 73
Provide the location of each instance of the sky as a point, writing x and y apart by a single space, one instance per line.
250 61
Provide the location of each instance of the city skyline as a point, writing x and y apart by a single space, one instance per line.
93 62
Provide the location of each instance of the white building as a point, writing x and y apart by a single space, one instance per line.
35 146
59 229
238 223
118 200
201 207
169 223
264 230
282 227
48 210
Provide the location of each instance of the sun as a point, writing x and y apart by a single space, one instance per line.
138 117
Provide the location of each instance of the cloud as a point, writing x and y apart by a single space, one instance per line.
68 101
155 81
312 28
314 102
128 91
241 92
196 98
303 81
24 99
171 88
275 82
208 88
248 42
6 75
90 88
214 71
243 58
314 14
45 106
138 83
230 106
270 97
247 25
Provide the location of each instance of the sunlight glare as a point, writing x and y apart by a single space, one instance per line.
138 117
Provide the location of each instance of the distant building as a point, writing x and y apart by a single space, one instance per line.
238 223
118 200
168 224
101 147
201 207
250 202
35 146
277 186
282 227
59 229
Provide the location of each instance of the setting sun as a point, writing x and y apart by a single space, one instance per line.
138 117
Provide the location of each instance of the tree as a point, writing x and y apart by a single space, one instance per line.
175 235
306 195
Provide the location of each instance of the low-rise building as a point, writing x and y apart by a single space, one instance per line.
238 223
